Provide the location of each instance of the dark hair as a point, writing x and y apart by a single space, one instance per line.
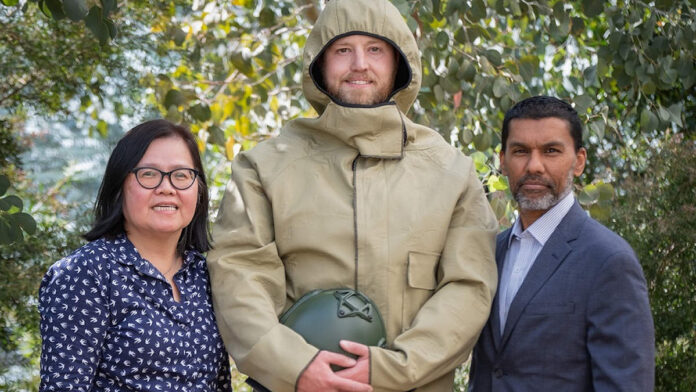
108 210
544 107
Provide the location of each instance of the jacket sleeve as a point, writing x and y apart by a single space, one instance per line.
447 326
620 335
248 285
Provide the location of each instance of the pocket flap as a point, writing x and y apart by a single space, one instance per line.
422 270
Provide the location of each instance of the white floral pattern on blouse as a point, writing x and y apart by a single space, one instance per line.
109 323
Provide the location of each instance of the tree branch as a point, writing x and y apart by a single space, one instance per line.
16 90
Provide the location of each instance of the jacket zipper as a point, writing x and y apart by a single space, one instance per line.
355 218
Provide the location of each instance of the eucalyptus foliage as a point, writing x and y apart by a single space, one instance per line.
627 66
230 70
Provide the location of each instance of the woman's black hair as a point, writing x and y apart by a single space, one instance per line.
108 210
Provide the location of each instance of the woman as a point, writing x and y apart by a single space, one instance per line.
131 310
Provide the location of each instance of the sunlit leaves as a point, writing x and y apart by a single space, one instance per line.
229 148
497 183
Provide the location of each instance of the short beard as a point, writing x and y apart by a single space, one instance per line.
546 201
374 99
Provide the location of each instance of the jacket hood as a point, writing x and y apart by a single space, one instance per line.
377 18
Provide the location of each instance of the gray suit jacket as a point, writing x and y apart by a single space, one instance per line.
580 321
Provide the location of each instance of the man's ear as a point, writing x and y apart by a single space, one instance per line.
580 161
501 156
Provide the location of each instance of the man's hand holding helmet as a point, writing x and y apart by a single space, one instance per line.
318 376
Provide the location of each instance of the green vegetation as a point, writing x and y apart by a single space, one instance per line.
656 215
230 71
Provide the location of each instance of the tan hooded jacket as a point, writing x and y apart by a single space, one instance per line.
359 197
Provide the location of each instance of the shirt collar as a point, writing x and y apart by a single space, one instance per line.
543 227
125 252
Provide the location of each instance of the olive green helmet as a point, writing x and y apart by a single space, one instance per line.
324 317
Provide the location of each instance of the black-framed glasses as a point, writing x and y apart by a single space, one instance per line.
151 178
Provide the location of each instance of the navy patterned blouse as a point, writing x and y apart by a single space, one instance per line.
109 323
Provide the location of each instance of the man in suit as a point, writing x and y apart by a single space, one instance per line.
571 312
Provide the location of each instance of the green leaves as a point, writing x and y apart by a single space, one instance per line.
97 25
55 9
598 199
7 203
675 112
267 17
500 86
592 8
648 120
590 76
442 40
12 220
96 18
174 98
200 112
76 10
494 57
4 184
528 67
477 10
582 103
108 6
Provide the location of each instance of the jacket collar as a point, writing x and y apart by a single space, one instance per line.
376 132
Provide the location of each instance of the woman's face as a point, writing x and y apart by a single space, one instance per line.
164 210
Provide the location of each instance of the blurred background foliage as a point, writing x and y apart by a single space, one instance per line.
75 73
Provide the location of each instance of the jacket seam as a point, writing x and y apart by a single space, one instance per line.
355 218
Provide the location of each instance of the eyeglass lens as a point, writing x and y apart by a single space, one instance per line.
179 178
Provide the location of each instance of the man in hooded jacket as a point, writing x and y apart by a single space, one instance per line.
357 197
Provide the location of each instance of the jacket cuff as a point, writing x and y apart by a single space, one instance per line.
277 360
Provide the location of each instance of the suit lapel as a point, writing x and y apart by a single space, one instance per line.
501 249
552 255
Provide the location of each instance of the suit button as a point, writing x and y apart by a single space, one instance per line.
498 372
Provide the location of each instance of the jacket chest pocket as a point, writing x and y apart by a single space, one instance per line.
421 281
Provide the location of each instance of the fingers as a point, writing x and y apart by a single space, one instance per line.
319 377
347 385
332 358
358 349
361 371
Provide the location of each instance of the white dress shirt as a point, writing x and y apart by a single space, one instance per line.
523 249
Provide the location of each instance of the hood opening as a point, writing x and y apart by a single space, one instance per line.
401 80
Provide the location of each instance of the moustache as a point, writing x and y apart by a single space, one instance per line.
360 75
534 179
